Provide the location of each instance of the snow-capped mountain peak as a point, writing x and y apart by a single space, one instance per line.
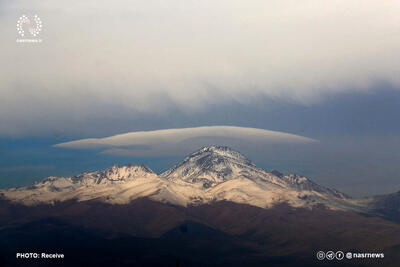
115 173
213 165
129 171
221 151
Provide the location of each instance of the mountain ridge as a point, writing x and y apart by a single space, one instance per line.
212 173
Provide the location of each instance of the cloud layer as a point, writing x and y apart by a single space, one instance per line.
152 56
185 140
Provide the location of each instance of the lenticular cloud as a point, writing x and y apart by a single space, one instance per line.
174 140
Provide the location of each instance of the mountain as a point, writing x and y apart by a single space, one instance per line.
213 173
217 164
214 165
215 208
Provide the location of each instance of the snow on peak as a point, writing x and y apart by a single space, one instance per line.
302 183
118 172
213 165
115 173
222 151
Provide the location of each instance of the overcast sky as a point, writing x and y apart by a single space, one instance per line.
326 70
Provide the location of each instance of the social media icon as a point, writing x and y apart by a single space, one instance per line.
320 255
330 255
349 255
339 255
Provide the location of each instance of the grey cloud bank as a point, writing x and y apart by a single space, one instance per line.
154 56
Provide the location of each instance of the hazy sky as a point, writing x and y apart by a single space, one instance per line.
327 70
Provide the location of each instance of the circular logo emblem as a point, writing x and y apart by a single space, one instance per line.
330 255
349 255
339 255
320 255
33 26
